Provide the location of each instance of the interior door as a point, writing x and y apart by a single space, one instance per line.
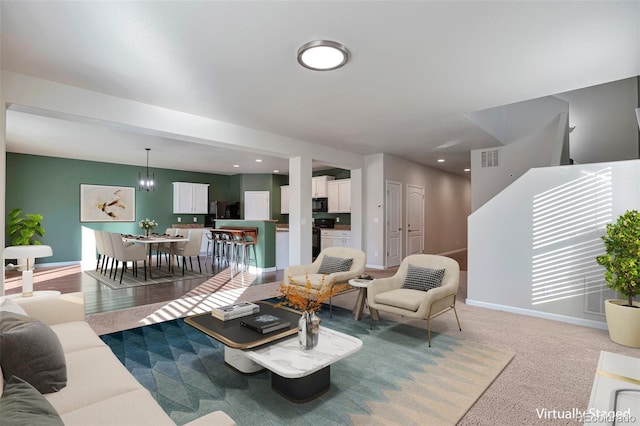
415 219
256 205
394 223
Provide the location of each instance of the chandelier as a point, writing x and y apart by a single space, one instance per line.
146 179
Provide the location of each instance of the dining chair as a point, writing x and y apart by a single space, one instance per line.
128 253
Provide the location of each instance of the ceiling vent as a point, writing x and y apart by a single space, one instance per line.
490 158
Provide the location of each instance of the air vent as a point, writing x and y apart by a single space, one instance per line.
490 158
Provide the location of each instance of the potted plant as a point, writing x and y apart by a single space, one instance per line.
22 231
622 273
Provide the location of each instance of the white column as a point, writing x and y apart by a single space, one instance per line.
357 213
3 179
300 211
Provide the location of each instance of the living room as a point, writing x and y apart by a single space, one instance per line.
51 186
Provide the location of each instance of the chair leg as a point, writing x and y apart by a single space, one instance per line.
144 265
199 264
122 271
429 331
457 319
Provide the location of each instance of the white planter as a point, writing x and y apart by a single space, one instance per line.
623 322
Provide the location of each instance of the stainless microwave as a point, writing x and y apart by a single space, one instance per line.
319 205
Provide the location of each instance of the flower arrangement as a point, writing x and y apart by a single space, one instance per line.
306 298
147 224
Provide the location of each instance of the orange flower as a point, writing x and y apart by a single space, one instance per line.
307 298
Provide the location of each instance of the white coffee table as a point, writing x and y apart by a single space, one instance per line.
298 374
361 301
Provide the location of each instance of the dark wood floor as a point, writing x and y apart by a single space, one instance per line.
100 298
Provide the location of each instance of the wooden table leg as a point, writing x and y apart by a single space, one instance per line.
359 306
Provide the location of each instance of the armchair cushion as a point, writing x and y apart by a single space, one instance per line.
331 265
423 278
402 298
317 280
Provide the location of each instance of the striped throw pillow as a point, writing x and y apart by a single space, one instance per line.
332 265
423 278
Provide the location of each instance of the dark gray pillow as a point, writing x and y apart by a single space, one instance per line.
29 349
332 265
21 404
423 278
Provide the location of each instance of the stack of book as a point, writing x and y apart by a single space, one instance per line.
237 310
264 324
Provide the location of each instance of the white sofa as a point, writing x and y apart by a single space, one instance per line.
99 390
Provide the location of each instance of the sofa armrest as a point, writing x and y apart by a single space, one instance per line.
52 310
217 418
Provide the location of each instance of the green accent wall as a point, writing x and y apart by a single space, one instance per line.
51 186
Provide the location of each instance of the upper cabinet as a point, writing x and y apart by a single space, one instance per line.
339 192
319 186
284 199
256 205
190 197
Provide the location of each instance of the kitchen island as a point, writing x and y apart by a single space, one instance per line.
266 242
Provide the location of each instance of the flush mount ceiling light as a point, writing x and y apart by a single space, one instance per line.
323 55
146 179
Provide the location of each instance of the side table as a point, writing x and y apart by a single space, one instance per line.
362 285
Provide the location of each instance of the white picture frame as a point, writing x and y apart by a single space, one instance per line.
106 203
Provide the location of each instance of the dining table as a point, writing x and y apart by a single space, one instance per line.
152 239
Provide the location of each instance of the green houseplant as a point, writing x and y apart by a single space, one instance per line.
622 274
22 229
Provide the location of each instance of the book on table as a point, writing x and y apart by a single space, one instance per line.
265 323
237 310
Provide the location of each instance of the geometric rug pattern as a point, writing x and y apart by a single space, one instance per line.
394 379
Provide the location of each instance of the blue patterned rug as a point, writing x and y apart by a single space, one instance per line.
395 379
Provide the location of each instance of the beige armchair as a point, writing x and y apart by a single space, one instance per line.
388 294
297 275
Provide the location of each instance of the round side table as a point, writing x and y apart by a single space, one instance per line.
362 285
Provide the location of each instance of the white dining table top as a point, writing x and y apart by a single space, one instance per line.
154 239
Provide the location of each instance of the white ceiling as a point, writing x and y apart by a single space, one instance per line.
417 67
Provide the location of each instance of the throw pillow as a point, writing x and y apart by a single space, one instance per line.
332 265
8 305
21 404
29 349
423 279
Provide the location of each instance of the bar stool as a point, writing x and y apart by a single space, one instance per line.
245 243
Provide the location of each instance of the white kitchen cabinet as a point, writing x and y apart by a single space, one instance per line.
339 194
256 205
190 198
334 238
284 199
319 186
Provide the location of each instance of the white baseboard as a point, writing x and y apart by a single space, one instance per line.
375 266
538 314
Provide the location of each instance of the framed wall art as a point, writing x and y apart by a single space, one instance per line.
102 203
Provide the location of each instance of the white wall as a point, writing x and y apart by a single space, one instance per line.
539 148
606 126
3 179
532 247
374 218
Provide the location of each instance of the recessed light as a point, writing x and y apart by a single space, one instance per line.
323 55
440 160
276 171
258 160
467 170
236 165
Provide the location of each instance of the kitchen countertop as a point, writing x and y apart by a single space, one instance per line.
283 227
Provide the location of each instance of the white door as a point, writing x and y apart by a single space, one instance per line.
394 223
415 219
256 205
